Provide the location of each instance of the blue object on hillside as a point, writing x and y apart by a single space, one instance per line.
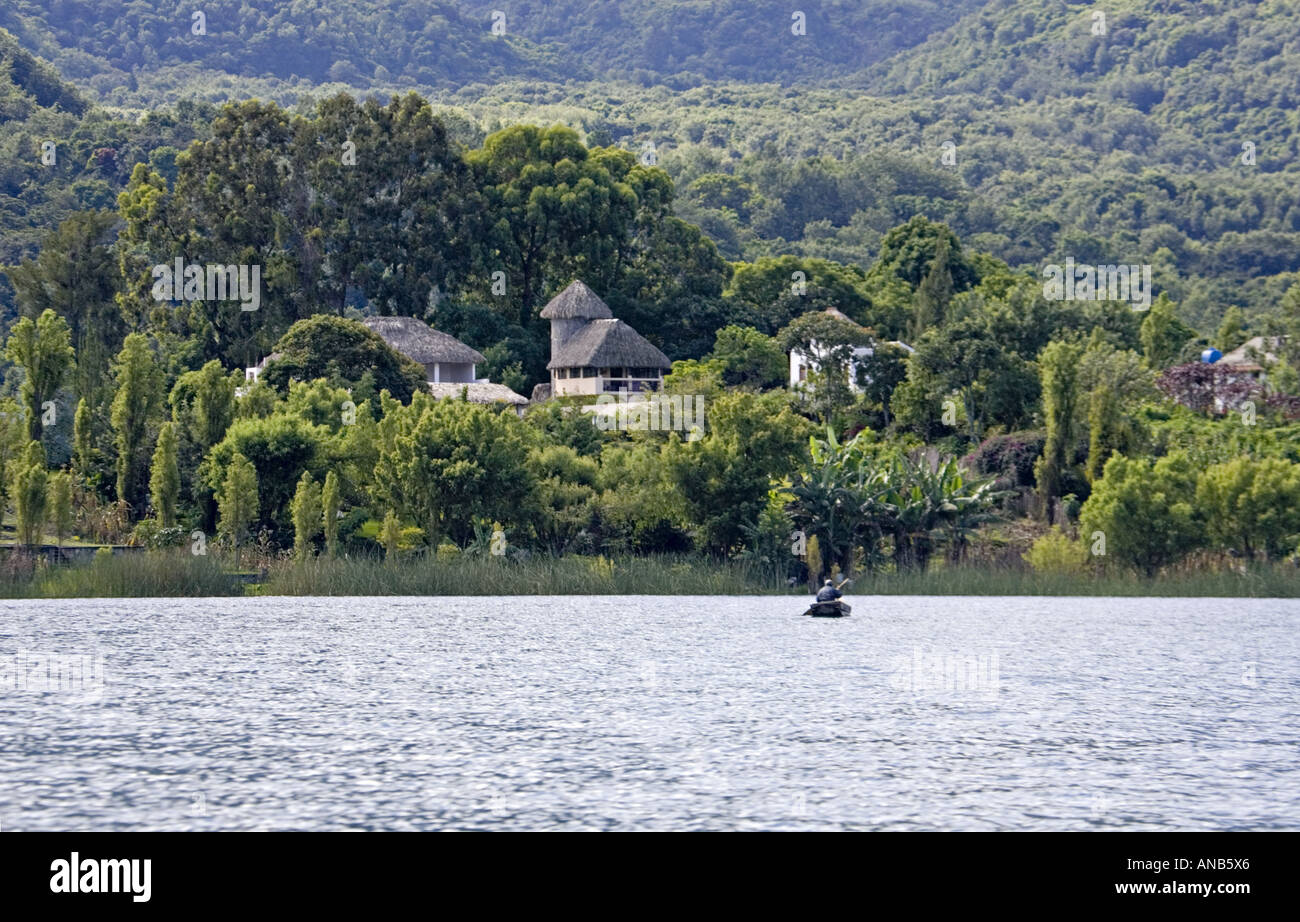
1210 356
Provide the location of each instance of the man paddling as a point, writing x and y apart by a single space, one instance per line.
830 592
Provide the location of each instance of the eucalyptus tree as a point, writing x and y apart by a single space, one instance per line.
75 274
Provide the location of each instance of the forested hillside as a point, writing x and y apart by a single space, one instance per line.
107 43
1033 129
723 175
92 154
1211 69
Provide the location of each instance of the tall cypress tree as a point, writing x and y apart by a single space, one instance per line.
135 406
330 513
1059 365
935 291
44 350
306 509
29 493
237 503
165 477
83 450
59 505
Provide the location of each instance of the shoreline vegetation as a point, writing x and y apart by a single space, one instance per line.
193 357
180 574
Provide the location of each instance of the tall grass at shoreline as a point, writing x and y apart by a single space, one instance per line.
488 576
1282 581
179 574
153 575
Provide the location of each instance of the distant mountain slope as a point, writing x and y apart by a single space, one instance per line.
26 82
1032 137
101 42
1222 68
109 44
88 163
747 40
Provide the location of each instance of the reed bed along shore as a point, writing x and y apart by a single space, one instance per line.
153 575
537 576
179 574
1282 581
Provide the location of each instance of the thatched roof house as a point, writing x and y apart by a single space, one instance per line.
605 343
577 302
449 365
594 353
445 358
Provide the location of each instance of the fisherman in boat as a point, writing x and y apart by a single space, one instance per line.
829 593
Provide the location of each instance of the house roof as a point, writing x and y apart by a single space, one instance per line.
1250 352
840 315
417 340
478 392
605 344
577 302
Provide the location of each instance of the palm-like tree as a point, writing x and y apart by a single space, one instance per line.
826 497
972 503
936 504
855 494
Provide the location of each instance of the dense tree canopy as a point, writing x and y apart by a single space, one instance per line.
345 353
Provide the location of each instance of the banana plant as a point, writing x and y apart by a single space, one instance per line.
853 494
825 498
937 506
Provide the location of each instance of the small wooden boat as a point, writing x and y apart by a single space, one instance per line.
836 609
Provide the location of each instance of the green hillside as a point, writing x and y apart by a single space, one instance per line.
721 181
103 43
115 46
1121 146
1216 70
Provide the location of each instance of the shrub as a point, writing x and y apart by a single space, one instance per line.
1057 552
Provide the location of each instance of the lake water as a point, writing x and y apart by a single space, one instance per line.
649 713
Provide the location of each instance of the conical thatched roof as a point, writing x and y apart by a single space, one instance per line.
577 302
417 340
605 344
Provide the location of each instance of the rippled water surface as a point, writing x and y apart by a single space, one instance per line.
655 713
